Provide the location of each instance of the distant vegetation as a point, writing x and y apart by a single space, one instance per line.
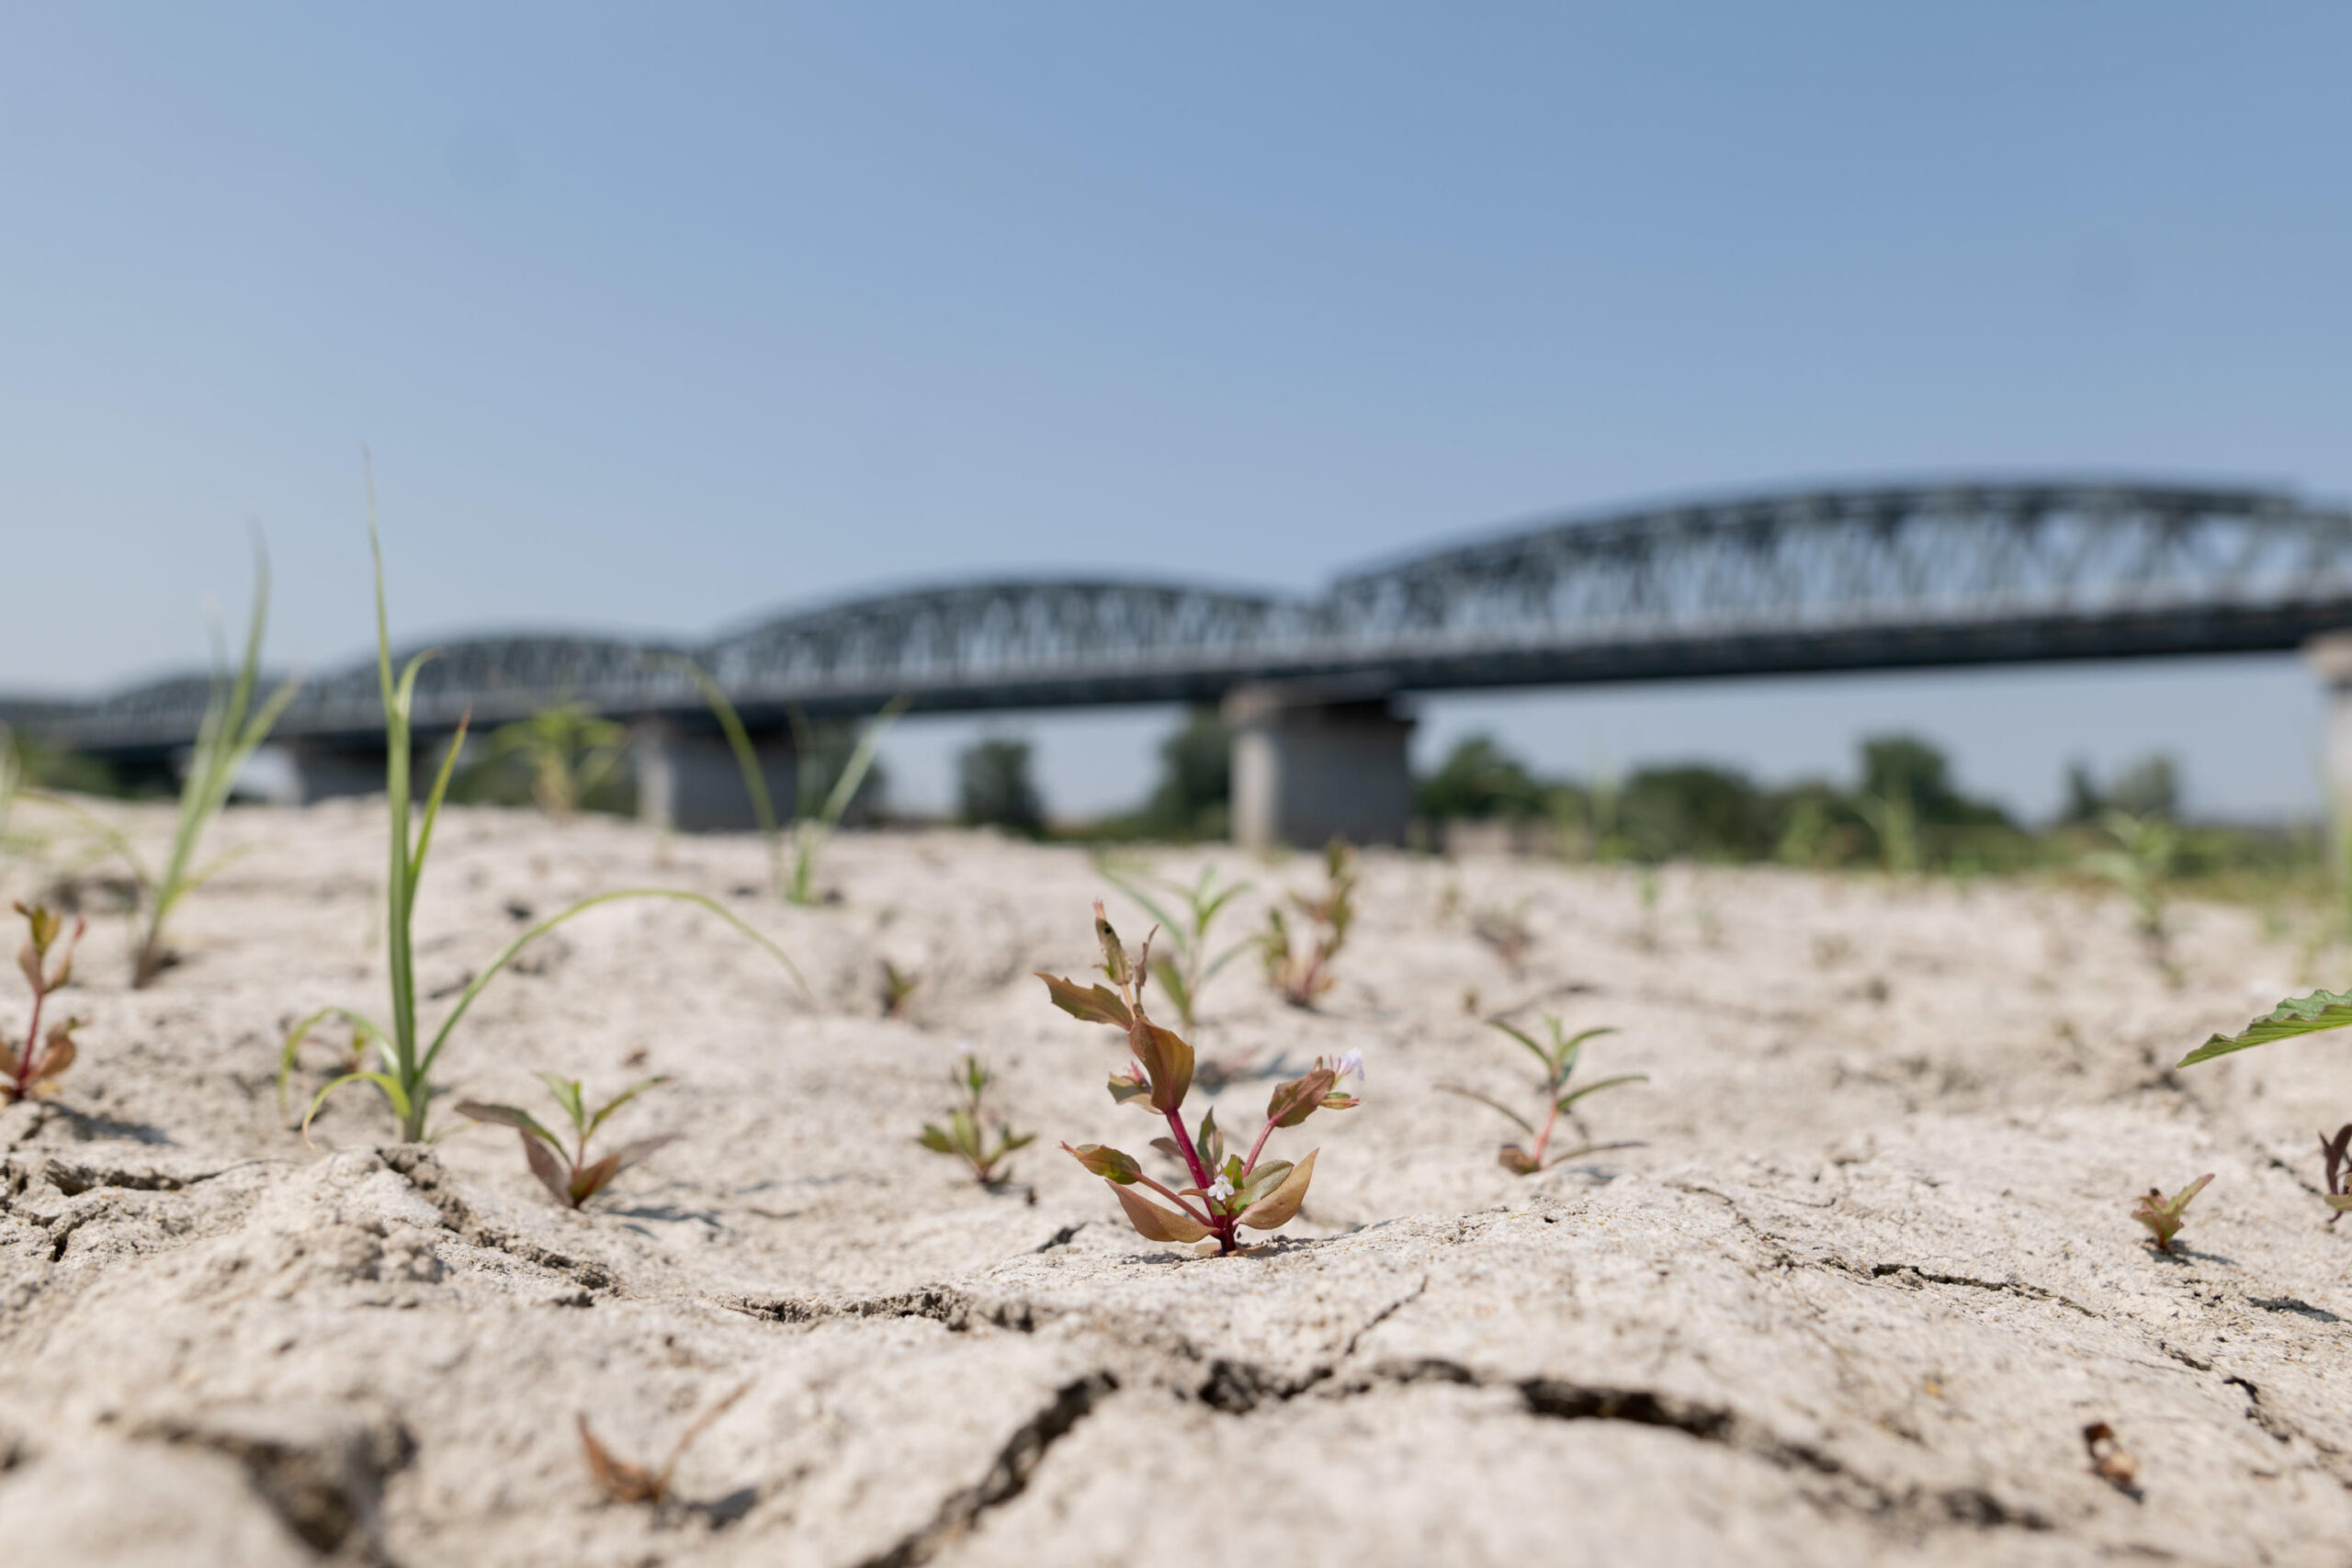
1903 812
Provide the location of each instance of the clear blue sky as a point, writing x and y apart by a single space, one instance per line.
661 317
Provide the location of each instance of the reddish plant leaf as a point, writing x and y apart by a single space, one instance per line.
1095 1004
549 1170
1153 1223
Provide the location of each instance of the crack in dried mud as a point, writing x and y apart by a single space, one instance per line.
1008 1476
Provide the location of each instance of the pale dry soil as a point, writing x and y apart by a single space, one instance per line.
1852 1299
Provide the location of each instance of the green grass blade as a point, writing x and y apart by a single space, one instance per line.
385 1083
302 1031
433 802
1178 937
507 954
860 760
2297 1015
755 783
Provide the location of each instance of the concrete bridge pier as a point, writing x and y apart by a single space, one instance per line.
690 780
1316 758
299 771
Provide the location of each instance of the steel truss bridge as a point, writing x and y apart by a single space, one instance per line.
1865 577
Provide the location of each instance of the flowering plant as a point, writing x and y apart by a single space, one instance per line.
1229 1190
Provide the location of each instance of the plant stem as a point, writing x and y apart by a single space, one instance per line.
1545 1137
1263 1133
23 1087
1220 1224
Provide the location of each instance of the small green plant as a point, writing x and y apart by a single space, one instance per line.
233 728
403 1074
2164 1216
1187 972
963 1137
796 885
809 832
32 1065
1893 820
622 1482
1303 978
1506 930
897 985
570 1174
2143 861
1228 1192
1558 1059
568 750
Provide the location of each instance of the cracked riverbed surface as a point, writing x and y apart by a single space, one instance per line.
1853 1296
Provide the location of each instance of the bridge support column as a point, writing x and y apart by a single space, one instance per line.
2329 657
298 773
1310 761
690 780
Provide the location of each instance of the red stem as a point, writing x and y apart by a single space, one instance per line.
32 1040
1177 1199
1221 1223
1545 1137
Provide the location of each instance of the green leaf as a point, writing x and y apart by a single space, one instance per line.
507 954
2297 1015
1598 1085
631 1092
1489 1101
1281 1206
1126 1086
935 1140
1097 1004
1209 1143
388 1086
301 1032
1109 1163
1262 1180
965 1134
1527 1040
505 1116
567 1095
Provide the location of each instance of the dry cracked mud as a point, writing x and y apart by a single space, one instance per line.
1853 1298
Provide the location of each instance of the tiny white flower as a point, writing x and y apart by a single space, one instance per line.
1221 1189
964 1048
1350 1063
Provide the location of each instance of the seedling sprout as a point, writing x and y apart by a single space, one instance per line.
230 730
2164 1216
1558 1059
569 1174
898 984
622 1482
31 1066
963 1137
798 885
1228 1192
569 749
1185 972
1303 978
